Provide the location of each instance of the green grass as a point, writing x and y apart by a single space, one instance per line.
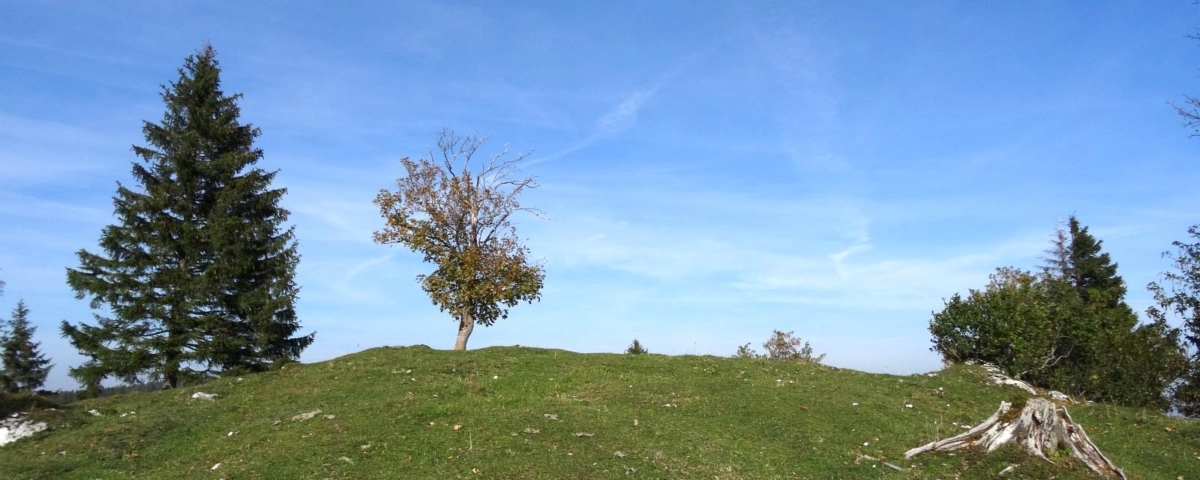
395 410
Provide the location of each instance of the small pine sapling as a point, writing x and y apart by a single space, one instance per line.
636 348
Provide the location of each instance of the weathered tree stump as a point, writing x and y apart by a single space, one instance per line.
1040 426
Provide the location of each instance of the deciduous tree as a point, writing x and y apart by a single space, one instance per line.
196 277
456 209
1190 110
1008 323
782 347
1179 294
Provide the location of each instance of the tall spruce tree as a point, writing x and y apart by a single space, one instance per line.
25 368
1093 273
197 276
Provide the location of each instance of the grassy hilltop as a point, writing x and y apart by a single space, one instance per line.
517 412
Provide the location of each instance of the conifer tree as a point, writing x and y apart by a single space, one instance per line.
1107 354
1092 273
197 276
25 368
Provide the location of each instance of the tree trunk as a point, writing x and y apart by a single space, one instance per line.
465 325
171 371
171 354
1041 426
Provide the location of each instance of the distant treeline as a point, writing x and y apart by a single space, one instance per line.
63 397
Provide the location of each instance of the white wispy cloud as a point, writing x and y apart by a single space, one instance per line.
839 258
624 115
357 269
799 64
834 265
620 118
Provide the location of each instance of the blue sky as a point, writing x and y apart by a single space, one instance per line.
710 171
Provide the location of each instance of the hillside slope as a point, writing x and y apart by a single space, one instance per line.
514 412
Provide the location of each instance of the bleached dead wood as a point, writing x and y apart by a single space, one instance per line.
998 377
1040 426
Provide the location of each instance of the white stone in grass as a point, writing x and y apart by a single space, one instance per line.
94 412
214 467
306 415
204 396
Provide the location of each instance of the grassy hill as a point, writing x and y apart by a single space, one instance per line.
516 412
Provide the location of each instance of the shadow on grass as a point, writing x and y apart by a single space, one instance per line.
11 403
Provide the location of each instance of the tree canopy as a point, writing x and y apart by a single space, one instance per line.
456 209
1067 328
1179 294
196 277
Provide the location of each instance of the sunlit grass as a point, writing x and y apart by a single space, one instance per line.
531 413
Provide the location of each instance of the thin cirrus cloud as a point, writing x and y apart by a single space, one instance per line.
618 119
624 115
